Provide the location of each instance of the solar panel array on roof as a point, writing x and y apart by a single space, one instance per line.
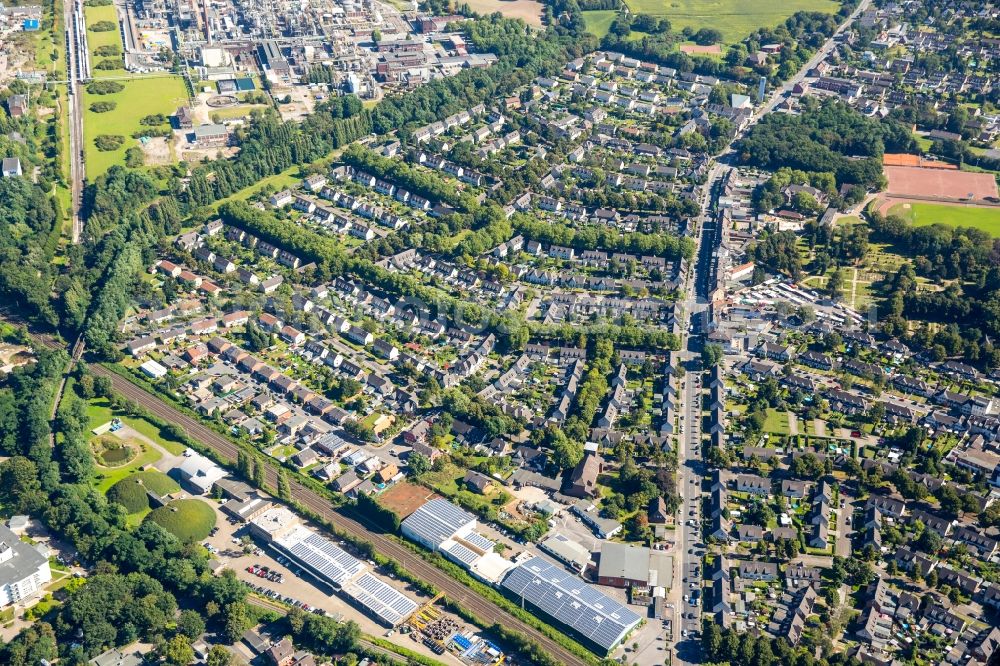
479 541
321 556
460 553
386 602
569 600
435 522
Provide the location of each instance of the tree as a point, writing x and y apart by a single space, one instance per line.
244 465
238 621
219 656
835 283
177 651
932 578
102 387
259 471
284 488
950 502
929 541
711 354
34 645
190 624
418 463
566 452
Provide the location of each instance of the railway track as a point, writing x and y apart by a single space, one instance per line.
483 608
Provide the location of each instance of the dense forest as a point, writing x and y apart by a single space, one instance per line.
827 137
29 232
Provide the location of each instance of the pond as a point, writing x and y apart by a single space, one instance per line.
113 452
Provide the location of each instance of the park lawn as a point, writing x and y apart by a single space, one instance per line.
599 21
187 519
776 422
280 181
95 40
100 412
158 482
735 19
152 480
849 220
46 44
141 97
109 476
923 214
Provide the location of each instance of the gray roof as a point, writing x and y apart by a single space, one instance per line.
619 560
117 657
24 562
213 129
384 601
572 602
566 550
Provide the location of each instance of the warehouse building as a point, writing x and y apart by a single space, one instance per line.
598 619
569 552
635 567
436 522
443 527
331 564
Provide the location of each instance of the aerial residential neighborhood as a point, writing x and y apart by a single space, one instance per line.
502 332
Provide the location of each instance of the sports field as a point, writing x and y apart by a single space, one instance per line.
141 97
922 214
734 18
939 183
598 21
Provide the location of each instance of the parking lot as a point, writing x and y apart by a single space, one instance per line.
228 547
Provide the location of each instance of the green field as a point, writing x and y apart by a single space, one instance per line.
734 18
109 476
95 40
100 412
141 97
599 21
922 214
234 112
130 492
776 422
187 519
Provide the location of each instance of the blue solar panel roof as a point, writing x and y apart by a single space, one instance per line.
385 601
436 521
571 601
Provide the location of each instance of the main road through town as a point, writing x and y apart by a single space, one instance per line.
691 472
